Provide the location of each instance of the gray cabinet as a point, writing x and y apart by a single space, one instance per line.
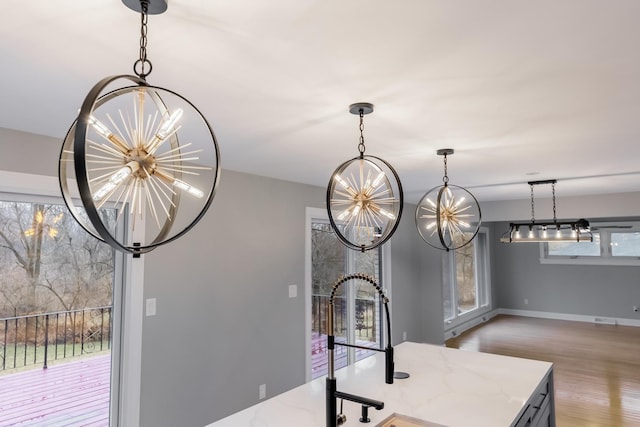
539 411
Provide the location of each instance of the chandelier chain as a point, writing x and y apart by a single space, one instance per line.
533 218
361 146
142 61
445 178
553 193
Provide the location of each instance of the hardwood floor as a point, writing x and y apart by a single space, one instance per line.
596 367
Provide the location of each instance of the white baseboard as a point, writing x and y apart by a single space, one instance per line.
572 317
460 328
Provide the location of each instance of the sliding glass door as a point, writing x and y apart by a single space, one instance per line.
357 306
56 316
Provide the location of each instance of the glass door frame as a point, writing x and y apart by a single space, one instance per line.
126 350
384 272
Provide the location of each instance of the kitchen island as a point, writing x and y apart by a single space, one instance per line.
448 387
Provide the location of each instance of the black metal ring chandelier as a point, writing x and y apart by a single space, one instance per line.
364 196
448 217
140 165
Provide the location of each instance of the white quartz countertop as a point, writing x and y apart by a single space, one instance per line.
446 386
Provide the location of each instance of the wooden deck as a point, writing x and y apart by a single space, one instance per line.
73 393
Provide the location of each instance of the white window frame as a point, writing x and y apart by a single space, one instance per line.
605 258
483 275
127 335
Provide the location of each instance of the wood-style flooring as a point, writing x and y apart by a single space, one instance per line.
596 367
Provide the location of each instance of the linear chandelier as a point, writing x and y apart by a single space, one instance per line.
448 216
364 196
133 152
547 231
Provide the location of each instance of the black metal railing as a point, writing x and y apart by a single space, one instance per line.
366 324
42 338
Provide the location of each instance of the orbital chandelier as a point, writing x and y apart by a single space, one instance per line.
448 216
364 196
131 155
547 231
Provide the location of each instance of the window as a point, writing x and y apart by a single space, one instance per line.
613 244
466 284
357 306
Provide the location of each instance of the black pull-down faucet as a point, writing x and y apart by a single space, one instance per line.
332 394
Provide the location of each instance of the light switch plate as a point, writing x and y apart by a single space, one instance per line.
151 307
293 291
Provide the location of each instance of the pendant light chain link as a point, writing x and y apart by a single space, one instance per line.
533 217
361 146
142 62
445 178
553 193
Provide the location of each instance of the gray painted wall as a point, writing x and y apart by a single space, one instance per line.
225 323
29 153
417 291
609 291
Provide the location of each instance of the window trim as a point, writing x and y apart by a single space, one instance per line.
605 258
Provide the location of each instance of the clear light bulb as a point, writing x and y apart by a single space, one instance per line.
188 188
115 179
100 127
387 214
378 179
106 133
345 185
169 124
343 214
164 130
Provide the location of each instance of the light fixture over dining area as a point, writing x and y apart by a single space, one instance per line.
536 231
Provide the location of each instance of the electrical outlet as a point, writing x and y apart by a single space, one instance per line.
262 391
404 336
635 308
526 301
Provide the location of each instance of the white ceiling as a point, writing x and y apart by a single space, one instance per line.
521 90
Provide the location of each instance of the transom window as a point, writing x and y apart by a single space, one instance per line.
613 244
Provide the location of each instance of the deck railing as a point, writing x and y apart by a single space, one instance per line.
365 316
41 338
